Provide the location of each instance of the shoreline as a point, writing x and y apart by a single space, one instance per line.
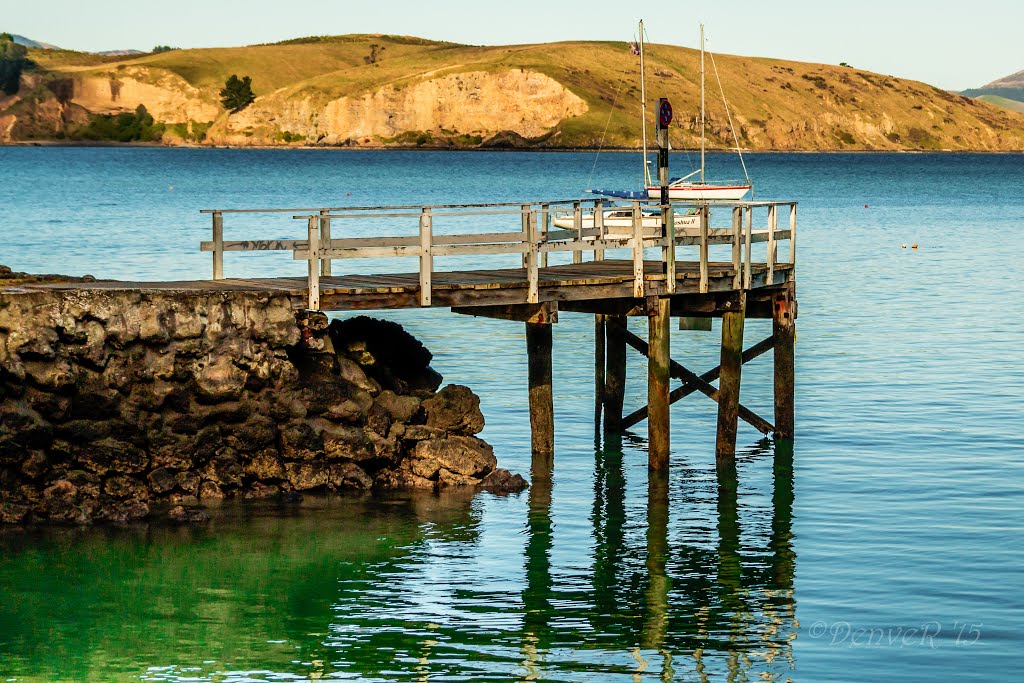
414 148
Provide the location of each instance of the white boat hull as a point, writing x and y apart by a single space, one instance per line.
702 191
621 226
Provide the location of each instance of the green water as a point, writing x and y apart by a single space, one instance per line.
373 589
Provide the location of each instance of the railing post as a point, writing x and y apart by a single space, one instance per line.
792 234
577 224
426 257
748 230
599 224
772 225
705 217
218 245
668 249
325 240
532 258
313 247
545 225
638 251
525 210
737 254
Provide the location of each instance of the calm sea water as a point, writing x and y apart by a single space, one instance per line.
886 544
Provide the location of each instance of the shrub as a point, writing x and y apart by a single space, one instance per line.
137 126
237 93
13 60
289 137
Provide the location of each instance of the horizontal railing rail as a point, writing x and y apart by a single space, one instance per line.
573 226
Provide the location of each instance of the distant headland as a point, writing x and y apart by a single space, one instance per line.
397 91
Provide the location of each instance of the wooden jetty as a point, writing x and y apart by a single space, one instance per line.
657 279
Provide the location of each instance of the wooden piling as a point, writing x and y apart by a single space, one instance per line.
615 374
729 382
658 316
784 332
542 409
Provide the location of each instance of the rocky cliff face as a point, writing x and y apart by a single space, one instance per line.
524 102
116 405
168 97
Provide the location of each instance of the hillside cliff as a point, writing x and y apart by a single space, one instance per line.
391 90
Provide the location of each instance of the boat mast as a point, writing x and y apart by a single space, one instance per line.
643 104
702 103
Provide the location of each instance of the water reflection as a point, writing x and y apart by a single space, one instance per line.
714 606
686 578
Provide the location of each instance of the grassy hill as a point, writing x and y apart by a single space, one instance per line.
1012 105
370 90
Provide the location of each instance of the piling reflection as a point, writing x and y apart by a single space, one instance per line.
537 609
715 604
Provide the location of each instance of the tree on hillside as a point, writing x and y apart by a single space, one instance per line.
163 48
13 60
237 93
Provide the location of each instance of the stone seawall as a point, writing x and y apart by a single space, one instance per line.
116 405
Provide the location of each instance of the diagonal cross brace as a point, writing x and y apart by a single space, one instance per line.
701 383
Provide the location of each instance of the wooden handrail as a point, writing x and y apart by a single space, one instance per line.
532 242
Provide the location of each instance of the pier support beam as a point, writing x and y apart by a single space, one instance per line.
658 374
542 407
784 332
729 383
615 376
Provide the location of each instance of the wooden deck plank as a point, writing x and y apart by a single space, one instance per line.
566 282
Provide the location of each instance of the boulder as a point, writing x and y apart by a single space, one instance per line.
400 408
126 488
348 475
179 514
63 502
466 455
397 478
162 480
210 490
503 481
220 380
127 511
265 465
112 455
300 441
307 475
455 409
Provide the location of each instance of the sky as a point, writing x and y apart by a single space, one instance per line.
950 45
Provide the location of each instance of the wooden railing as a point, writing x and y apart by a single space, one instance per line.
596 226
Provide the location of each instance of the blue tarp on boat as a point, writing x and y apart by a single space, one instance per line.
621 194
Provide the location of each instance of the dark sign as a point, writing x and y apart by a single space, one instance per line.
665 113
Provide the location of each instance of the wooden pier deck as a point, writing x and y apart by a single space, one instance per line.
595 281
530 290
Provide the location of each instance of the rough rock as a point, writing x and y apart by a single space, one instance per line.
187 515
503 481
466 455
456 409
113 403
400 408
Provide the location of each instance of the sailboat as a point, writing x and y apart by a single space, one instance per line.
623 218
702 190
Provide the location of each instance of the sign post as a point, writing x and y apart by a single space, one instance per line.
667 221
